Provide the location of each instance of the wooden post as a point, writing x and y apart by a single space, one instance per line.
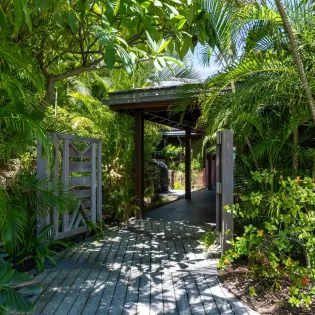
225 183
188 163
65 178
55 214
94 183
99 183
218 188
41 172
139 162
209 169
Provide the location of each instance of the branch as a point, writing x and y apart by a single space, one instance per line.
92 44
85 52
135 37
92 66
95 65
61 54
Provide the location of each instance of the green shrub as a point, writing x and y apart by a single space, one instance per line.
209 238
171 155
15 287
22 199
278 239
39 247
179 186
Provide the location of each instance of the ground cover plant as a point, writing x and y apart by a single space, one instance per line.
15 287
278 237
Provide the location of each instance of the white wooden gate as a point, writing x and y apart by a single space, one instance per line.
78 161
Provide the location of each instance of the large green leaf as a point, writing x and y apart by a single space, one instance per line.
185 47
72 21
125 59
18 17
191 15
30 290
20 277
172 8
162 45
7 276
147 22
15 302
3 269
4 26
27 16
181 24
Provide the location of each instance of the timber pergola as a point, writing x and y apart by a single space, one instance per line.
153 104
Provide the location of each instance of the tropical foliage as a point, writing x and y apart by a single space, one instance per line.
23 198
278 236
58 61
264 94
15 287
66 39
39 247
268 107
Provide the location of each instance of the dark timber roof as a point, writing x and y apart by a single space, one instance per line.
155 103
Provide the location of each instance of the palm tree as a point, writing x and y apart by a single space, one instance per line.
296 55
259 28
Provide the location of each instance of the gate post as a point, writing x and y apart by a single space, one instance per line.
139 162
41 172
188 163
224 189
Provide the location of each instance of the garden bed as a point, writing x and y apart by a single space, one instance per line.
235 278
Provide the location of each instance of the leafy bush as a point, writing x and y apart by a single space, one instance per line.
171 155
279 236
39 247
209 238
21 200
15 287
179 186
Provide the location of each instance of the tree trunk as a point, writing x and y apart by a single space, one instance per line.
295 156
49 97
295 142
296 56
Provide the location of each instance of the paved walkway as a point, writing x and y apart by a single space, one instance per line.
146 267
199 210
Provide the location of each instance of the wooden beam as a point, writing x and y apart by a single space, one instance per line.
163 120
135 106
139 162
188 163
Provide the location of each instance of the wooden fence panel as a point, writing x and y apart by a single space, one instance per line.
78 162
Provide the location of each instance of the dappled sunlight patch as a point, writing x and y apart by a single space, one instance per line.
141 271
